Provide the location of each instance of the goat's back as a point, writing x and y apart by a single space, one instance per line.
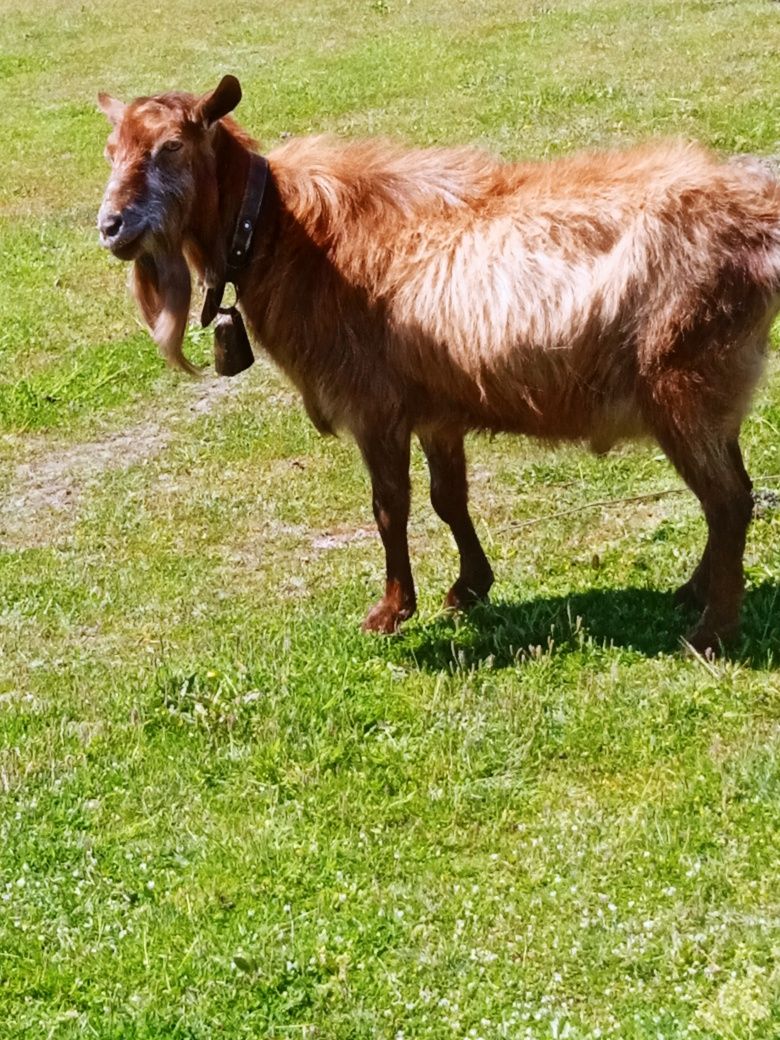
531 296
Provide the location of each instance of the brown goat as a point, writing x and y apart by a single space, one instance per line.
434 292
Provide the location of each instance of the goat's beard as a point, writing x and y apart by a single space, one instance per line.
162 285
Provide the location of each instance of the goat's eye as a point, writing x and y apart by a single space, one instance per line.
172 146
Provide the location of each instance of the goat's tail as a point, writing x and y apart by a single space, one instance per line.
762 173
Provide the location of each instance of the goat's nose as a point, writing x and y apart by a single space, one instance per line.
110 225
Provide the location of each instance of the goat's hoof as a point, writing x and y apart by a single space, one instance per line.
690 596
709 640
465 594
386 618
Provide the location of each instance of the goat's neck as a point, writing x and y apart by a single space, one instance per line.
219 202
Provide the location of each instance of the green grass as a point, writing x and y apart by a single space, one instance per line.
223 811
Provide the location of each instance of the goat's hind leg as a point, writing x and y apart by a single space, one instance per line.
449 497
694 592
717 476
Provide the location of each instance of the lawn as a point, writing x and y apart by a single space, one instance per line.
224 812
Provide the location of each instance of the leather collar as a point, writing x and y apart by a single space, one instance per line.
241 244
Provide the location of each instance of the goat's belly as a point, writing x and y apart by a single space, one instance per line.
601 426
618 421
559 407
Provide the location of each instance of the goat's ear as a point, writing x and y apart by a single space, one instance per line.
219 102
111 108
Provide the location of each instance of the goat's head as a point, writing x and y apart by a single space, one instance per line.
162 162
155 149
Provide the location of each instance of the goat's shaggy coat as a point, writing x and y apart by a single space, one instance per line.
433 292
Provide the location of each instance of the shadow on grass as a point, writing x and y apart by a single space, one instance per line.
645 621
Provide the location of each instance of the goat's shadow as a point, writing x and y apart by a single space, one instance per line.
643 620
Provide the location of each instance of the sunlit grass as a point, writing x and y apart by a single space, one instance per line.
223 811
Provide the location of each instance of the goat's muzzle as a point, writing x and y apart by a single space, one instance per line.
121 235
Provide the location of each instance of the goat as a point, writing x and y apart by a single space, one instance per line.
434 292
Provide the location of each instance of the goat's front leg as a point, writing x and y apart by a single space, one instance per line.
387 457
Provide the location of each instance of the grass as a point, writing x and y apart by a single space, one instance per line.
223 811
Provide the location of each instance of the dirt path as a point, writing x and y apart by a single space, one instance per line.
41 500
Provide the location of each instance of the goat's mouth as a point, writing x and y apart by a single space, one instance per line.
128 247
126 244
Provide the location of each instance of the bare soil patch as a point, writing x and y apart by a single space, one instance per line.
40 502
